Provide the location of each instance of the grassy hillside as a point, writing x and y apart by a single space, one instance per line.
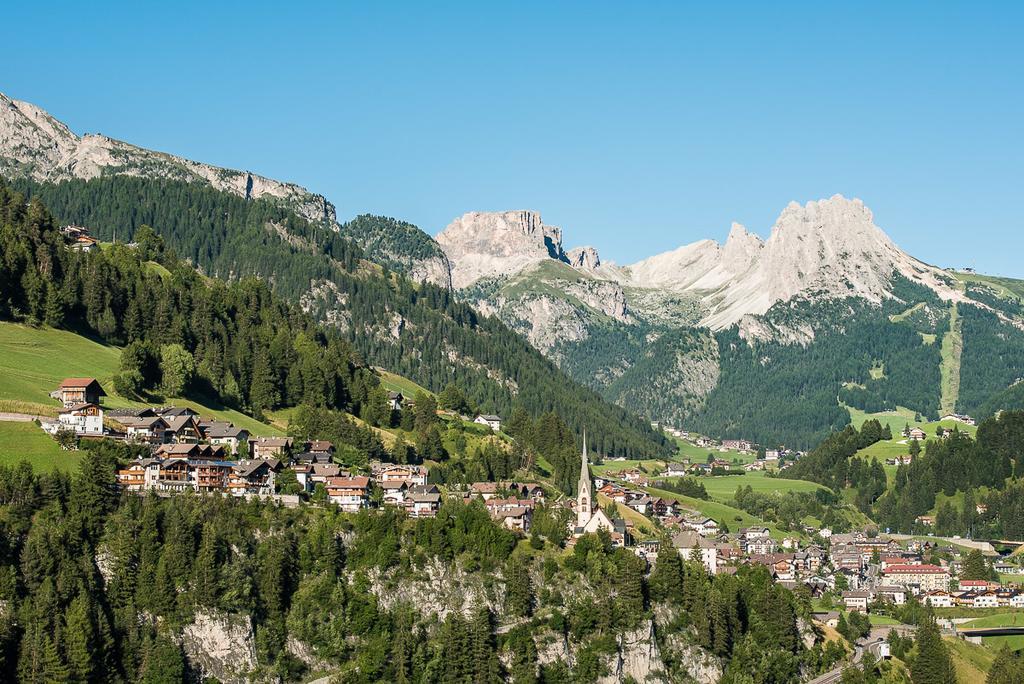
1007 288
972 661
952 350
723 487
397 383
35 360
25 441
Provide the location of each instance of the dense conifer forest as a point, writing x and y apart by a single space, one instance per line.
987 470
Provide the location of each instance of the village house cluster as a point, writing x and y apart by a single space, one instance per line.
188 452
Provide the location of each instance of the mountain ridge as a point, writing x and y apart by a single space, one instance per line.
831 246
36 144
710 334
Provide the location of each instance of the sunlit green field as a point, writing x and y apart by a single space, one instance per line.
724 486
33 361
398 383
26 441
700 454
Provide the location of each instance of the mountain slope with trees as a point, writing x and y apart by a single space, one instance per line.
419 331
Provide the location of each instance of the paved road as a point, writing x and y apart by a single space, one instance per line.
982 546
19 417
871 644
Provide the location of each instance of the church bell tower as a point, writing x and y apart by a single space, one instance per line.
585 495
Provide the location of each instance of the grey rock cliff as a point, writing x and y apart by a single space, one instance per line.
35 144
583 257
489 244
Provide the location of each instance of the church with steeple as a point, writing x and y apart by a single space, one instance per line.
589 516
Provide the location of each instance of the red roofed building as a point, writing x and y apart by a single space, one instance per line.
80 391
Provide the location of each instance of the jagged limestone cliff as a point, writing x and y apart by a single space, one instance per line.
35 144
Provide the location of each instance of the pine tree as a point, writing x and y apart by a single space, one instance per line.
81 643
718 617
932 664
666 582
263 390
206 569
630 585
163 663
1006 668
486 667
165 595
975 567
54 307
518 587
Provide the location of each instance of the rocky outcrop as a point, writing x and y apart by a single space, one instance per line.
436 270
545 321
36 145
439 589
602 296
638 658
585 258
220 646
492 244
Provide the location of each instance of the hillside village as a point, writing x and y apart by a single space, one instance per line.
861 571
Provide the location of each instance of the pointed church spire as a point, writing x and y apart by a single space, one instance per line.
585 503
584 466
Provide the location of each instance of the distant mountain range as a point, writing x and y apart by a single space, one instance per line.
769 340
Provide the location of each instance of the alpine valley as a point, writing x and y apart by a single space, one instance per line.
773 341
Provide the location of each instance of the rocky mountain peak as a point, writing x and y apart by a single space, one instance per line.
741 250
483 244
35 144
583 257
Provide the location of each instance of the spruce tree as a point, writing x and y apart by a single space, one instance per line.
1006 668
163 663
206 569
518 587
666 581
81 643
932 664
718 617
486 668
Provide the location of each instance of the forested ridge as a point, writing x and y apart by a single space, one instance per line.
987 469
777 392
419 331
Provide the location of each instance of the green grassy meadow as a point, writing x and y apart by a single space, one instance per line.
723 487
397 383
971 660
25 441
35 360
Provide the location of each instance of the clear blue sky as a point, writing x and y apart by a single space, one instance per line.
637 127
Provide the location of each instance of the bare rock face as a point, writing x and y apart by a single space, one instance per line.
603 296
585 258
830 248
220 646
545 321
638 658
36 145
441 589
494 244
436 270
